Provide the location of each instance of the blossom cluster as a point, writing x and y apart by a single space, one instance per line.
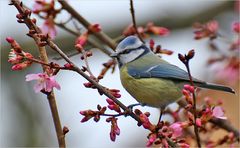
227 57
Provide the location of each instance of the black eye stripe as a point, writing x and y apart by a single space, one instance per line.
129 50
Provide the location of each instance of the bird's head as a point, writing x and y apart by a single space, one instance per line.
130 49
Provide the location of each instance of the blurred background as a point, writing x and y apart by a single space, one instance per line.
25 116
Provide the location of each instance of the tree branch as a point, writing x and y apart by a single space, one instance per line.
44 58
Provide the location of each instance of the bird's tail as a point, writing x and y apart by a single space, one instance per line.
216 87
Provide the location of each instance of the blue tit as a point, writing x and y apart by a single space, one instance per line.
151 80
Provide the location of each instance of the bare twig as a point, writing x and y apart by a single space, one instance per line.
100 35
134 20
196 131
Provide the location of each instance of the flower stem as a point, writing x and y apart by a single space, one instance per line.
196 131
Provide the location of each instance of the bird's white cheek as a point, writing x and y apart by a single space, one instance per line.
125 58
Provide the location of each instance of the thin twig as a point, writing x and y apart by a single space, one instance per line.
46 64
134 20
44 57
196 131
86 63
100 35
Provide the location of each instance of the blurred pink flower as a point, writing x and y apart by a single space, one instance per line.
205 30
43 6
48 27
236 27
177 129
189 88
152 138
218 112
157 29
82 39
44 82
198 122
229 74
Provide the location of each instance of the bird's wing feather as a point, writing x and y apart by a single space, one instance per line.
164 70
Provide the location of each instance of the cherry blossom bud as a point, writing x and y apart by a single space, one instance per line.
189 88
65 130
151 139
114 128
79 47
21 66
10 40
19 16
88 84
198 122
68 65
181 57
190 54
157 30
34 20
82 39
88 114
236 27
151 44
95 28
113 106
144 119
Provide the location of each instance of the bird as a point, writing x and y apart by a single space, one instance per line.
151 80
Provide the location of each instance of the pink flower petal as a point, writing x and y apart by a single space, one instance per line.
31 77
177 129
218 112
38 87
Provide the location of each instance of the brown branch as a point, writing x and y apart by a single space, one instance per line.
100 35
44 58
196 131
134 20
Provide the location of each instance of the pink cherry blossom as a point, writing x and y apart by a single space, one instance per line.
177 129
218 112
44 82
236 27
48 27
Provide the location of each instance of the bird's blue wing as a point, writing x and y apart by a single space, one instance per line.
164 70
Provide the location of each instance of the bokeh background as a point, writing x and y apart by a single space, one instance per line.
25 116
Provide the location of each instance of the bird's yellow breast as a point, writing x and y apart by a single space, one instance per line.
155 92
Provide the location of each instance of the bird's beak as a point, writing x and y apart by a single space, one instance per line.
114 54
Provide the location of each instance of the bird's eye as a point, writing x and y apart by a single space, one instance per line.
127 51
